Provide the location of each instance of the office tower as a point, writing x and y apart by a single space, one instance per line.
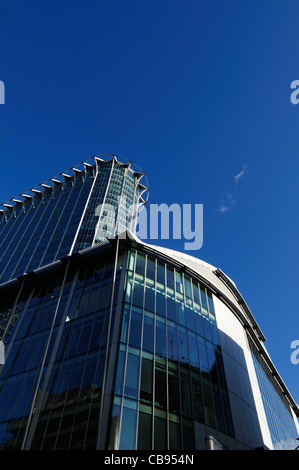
115 344
71 211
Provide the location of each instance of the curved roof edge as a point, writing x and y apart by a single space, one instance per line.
222 286
217 280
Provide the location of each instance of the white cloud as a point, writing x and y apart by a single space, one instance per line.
240 174
227 205
228 202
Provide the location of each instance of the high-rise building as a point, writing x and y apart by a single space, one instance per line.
115 344
71 211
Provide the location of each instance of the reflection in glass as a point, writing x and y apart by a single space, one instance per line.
132 374
128 425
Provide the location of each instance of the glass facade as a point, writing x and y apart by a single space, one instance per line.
114 347
119 351
35 234
51 383
280 421
67 213
108 212
170 371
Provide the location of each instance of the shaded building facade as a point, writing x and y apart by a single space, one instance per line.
116 344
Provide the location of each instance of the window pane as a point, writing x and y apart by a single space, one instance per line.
149 303
148 332
160 336
135 327
193 351
128 425
120 371
138 292
160 430
208 402
146 386
197 396
172 347
190 321
125 325
183 344
129 287
174 433
140 264
160 290
188 435
145 428
150 269
160 384
132 374
202 351
114 425
170 295
132 260
188 291
173 386
161 273
185 391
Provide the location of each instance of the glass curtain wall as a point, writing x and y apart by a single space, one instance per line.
41 229
51 383
280 421
170 370
108 211
168 373
67 215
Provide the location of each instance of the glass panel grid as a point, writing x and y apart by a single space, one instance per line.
175 359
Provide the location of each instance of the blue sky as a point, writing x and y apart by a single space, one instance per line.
193 92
